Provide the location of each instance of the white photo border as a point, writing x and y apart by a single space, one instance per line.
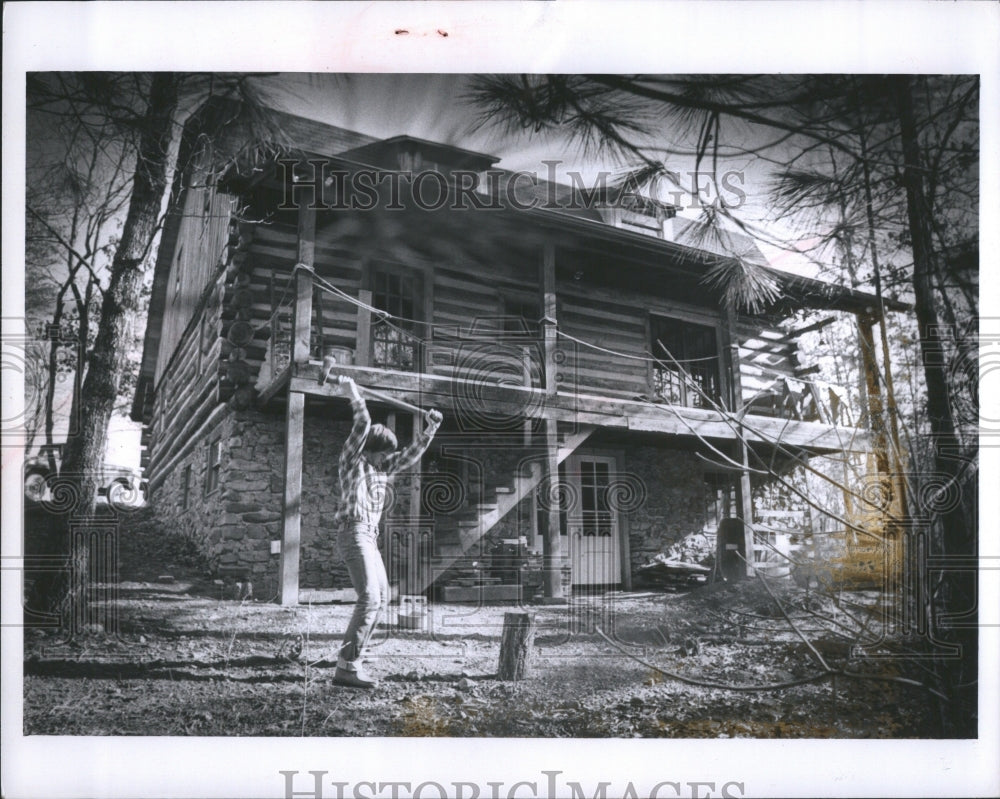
669 37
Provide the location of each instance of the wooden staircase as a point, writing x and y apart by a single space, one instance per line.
457 534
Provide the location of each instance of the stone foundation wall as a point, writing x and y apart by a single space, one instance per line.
235 524
673 506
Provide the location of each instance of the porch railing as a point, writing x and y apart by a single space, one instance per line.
318 321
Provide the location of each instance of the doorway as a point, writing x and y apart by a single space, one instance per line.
592 524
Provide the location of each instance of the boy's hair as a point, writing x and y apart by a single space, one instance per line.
380 439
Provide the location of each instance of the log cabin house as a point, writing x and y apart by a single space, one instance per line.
598 396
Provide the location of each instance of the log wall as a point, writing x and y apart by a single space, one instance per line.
613 324
199 251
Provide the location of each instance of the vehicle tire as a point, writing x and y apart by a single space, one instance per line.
36 485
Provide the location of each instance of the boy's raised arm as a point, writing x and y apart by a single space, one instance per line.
405 458
362 423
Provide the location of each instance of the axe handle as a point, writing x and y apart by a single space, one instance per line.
325 373
391 400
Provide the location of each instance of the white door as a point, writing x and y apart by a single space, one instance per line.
591 524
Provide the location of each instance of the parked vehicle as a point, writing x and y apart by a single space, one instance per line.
121 486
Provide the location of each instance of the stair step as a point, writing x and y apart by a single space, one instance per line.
463 532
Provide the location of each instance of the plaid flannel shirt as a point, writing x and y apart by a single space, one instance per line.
362 486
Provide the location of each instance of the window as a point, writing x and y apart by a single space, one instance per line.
186 487
693 383
595 514
214 467
522 315
395 342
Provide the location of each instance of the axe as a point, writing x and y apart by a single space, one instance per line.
329 363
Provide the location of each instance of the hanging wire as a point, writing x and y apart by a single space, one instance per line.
648 359
392 321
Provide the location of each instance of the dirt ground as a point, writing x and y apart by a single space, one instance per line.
190 659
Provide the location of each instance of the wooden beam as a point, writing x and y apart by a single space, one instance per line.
277 384
527 424
624 531
829 320
549 319
587 410
363 345
302 320
291 521
744 490
306 253
428 318
307 235
414 568
744 501
552 543
873 390
893 421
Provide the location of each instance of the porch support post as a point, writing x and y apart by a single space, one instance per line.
363 343
549 315
873 389
744 495
291 511
291 522
414 568
302 340
893 421
552 544
744 498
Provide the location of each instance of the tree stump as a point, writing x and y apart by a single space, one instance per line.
516 646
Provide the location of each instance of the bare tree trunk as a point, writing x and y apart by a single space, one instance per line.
53 368
83 315
957 537
106 362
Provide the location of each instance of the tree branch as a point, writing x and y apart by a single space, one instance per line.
69 247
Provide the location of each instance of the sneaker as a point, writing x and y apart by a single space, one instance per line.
353 678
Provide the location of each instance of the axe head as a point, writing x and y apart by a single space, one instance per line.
329 368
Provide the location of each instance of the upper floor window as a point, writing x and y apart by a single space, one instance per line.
395 341
694 380
521 315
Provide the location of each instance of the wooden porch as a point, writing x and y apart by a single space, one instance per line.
540 394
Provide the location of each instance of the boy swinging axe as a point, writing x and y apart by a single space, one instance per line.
369 458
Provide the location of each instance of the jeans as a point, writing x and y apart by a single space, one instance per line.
359 549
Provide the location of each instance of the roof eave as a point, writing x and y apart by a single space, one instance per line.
837 297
